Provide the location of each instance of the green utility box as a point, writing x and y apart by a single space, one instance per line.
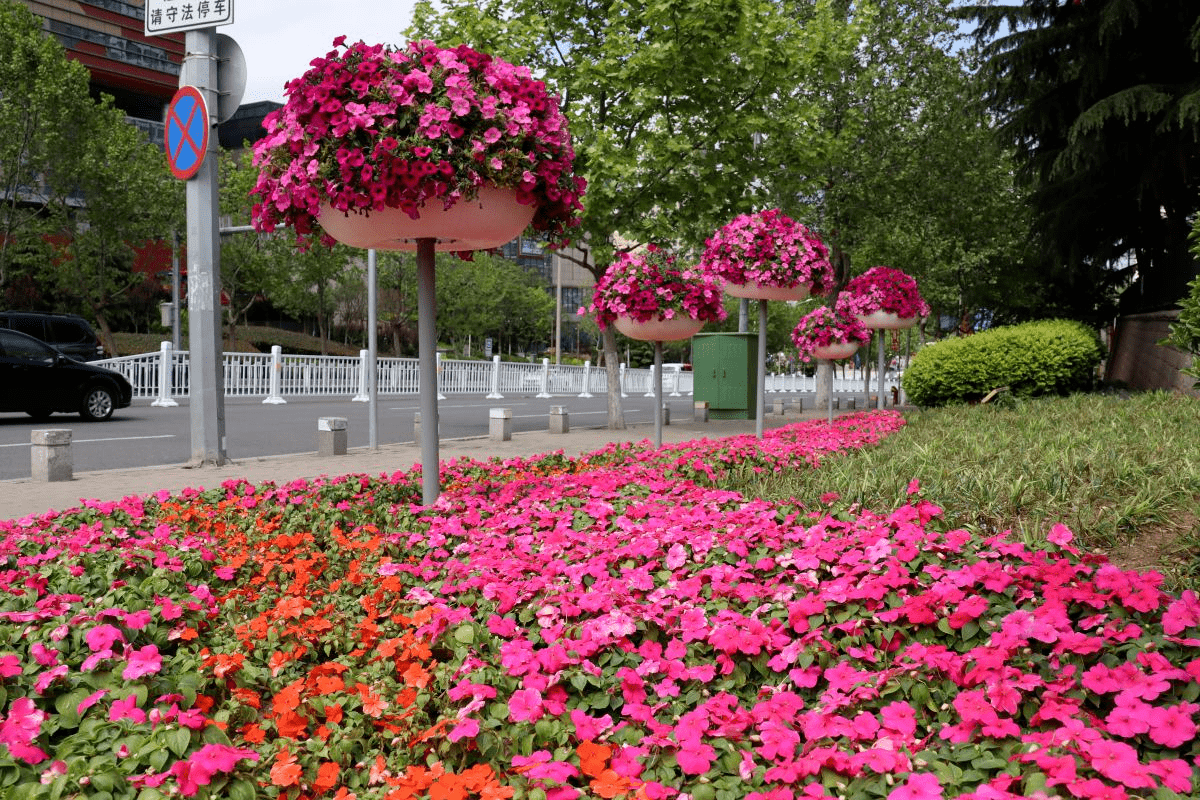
725 373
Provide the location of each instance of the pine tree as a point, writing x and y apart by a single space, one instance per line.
1101 99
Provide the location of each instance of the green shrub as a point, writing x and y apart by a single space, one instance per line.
1185 331
1036 358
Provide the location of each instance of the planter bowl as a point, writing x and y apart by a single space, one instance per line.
887 320
833 352
659 330
492 219
756 291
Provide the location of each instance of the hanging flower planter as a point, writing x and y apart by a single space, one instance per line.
834 352
659 330
378 147
493 218
887 320
648 297
829 334
768 256
883 297
758 291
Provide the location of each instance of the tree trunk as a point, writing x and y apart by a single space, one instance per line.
824 374
106 334
612 367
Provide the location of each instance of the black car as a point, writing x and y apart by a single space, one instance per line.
39 380
68 333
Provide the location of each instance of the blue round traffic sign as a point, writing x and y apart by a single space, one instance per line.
187 132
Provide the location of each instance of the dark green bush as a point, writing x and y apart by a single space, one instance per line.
1036 358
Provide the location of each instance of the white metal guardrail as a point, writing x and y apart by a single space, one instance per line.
163 376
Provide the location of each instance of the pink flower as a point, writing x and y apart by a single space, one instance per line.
144 661
919 786
10 665
465 729
126 708
1172 726
20 728
90 701
102 637
525 705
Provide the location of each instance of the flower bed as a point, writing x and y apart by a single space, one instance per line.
611 626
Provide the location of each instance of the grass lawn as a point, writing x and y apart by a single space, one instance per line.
1123 472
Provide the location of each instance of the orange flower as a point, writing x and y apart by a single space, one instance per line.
609 784
285 772
327 775
593 758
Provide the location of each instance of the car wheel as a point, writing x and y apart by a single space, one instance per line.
40 415
97 403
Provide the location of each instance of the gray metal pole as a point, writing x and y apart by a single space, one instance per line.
762 368
879 400
372 355
207 391
427 352
176 300
658 407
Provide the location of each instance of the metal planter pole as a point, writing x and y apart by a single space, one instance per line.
427 353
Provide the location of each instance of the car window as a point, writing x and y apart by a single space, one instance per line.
34 326
68 331
25 349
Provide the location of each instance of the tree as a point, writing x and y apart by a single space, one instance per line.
1101 100
42 97
305 283
128 199
247 258
666 101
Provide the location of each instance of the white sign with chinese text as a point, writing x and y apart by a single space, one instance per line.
171 16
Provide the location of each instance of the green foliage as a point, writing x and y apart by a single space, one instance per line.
1036 358
1185 331
44 94
1100 101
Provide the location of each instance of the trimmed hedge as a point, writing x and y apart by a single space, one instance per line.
1035 358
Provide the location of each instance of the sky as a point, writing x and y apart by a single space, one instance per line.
280 39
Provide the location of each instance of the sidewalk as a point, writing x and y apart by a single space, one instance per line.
22 497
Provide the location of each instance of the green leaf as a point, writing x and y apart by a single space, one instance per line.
178 740
464 634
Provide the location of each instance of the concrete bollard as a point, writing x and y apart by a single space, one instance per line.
51 455
799 401
852 403
700 411
332 433
666 414
500 424
559 420
837 403
779 403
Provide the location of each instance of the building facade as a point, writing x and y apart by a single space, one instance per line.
106 36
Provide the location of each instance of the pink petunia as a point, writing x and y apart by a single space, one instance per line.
20 728
525 705
126 709
90 701
102 637
919 786
465 729
143 661
1172 726
694 757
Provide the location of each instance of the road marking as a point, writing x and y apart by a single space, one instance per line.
112 439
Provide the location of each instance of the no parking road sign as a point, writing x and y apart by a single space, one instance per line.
187 132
